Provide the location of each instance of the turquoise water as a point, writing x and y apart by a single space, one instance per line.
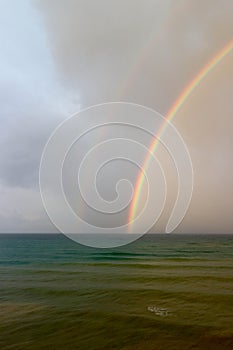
160 292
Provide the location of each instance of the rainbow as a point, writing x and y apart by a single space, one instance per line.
170 115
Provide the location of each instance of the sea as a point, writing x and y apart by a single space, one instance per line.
168 292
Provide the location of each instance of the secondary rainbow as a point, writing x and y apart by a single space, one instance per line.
170 115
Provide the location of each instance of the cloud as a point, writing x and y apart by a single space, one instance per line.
32 100
32 103
58 55
97 43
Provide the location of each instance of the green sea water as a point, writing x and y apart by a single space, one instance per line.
160 292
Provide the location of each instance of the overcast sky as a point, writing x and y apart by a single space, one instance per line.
59 56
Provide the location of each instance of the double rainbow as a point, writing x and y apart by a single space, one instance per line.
170 115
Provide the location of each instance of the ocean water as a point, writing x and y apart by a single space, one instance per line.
160 292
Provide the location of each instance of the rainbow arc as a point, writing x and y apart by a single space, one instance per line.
193 84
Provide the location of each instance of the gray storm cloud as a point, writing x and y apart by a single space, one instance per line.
58 55
32 103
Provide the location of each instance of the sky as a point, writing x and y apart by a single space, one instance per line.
58 57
